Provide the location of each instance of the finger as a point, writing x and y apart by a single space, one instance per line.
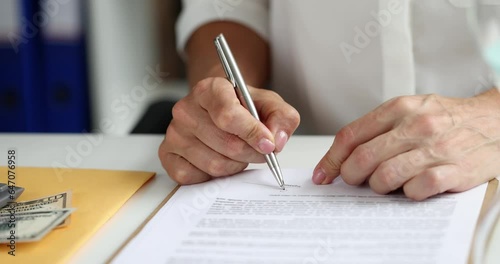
395 172
432 181
219 100
280 117
375 123
367 157
412 132
178 168
218 140
229 145
320 173
201 156
181 171
463 147
211 162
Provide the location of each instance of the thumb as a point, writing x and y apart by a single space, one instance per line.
328 168
281 118
282 125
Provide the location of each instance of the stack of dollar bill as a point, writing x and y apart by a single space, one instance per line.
29 221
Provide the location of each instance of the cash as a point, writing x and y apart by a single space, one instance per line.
30 226
28 221
47 203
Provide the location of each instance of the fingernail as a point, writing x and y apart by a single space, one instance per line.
319 176
266 146
281 139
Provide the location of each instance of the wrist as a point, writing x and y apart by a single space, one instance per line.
488 100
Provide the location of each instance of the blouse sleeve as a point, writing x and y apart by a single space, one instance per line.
253 14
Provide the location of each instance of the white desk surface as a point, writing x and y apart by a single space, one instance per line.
139 153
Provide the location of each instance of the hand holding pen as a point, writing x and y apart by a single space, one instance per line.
234 76
212 134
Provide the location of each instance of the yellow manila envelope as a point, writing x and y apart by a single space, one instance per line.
97 195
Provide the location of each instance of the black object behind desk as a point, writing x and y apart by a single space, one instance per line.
156 118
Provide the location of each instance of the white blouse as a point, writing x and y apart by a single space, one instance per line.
334 61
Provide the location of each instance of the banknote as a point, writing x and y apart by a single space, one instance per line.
30 225
47 203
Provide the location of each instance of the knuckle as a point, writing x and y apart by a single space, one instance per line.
412 194
363 155
345 136
174 170
260 93
387 176
234 146
273 95
433 181
219 82
162 154
162 150
217 167
431 99
224 118
428 124
221 88
401 104
179 110
293 116
179 175
202 86
171 137
183 114
234 167
349 179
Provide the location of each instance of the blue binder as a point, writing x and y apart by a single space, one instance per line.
21 109
64 70
11 105
43 77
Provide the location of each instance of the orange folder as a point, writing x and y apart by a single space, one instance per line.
97 195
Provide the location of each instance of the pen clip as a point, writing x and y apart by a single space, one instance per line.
225 63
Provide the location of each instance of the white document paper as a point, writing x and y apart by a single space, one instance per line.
247 218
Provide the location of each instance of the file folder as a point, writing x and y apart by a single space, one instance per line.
20 106
43 75
97 196
64 67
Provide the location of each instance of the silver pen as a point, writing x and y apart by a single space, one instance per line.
234 76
